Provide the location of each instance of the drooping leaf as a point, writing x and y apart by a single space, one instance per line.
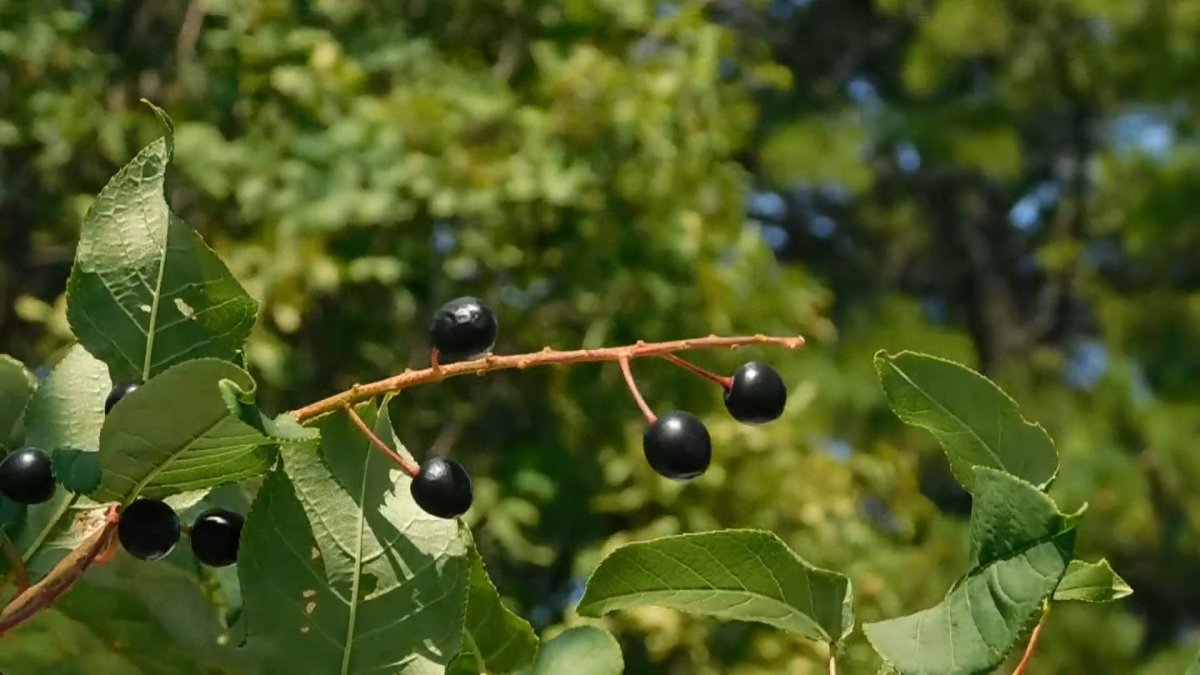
77 470
747 575
16 386
585 650
145 292
67 410
185 430
974 420
1091 582
502 641
995 606
341 572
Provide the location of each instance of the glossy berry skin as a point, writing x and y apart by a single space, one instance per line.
757 394
216 535
677 446
463 328
148 529
119 391
26 476
443 488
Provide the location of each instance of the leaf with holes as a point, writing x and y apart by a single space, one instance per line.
145 292
67 410
1091 582
747 575
1017 567
341 572
16 386
976 423
501 641
585 650
190 428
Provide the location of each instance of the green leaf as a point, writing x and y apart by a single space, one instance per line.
185 430
584 650
77 470
747 575
145 292
974 420
16 386
67 410
1194 666
341 572
502 641
1091 582
996 605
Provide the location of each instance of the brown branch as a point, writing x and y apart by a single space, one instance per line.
546 357
1033 640
408 467
15 561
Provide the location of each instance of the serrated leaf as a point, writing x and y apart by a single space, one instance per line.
67 410
747 575
16 387
77 470
145 292
502 641
1091 582
995 606
184 430
341 571
585 650
976 423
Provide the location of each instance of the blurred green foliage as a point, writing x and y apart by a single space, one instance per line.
1009 183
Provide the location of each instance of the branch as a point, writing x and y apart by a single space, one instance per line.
546 357
15 561
1033 640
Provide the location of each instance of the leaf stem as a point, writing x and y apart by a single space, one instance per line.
725 382
409 467
411 378
832 661
1033 640
14 559
633 389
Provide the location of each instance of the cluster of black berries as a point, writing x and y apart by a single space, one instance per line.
149 529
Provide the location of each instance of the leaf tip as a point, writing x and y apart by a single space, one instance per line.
165 120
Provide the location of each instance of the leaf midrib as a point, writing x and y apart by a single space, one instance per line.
355 584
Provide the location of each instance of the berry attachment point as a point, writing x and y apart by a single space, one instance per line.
443 488
216 535
757 394
148 529
26 476
120 391
463 328
677 446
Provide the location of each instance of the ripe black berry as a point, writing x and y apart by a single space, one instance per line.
677 446
26 476
443 488
215 537
463 329
119 391
148 529
757 394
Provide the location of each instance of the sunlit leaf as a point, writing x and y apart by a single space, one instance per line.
1091 582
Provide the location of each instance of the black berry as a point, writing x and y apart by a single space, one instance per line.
26 476
119 391
148 529
443 488
463 329
677 446
215 537
757 394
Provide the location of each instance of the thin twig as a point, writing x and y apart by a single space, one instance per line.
15 561
546 357
832 662
1033 640
633 389
724 381
409 467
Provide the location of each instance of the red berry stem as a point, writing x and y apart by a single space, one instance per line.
409 467
633 389
14 561
434 364
1033 640
486 364
722 380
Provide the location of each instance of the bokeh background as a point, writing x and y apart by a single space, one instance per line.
1009 183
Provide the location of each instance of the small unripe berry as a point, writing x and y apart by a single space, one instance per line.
463 328
677 446
216 535
148 529
443 488
119 391
26 476
757 394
